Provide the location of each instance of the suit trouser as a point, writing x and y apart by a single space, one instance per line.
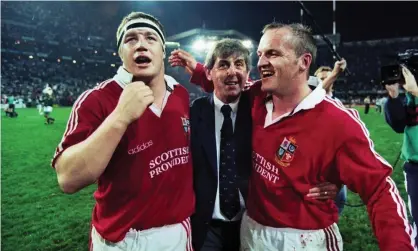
176 237
411 185
341 199
222 236
257 237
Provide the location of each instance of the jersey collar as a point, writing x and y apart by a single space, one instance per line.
309 102
123 78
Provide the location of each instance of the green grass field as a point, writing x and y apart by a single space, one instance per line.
36 215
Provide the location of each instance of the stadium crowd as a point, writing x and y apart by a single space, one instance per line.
60 51
65 56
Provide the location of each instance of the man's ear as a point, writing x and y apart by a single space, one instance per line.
305 61
120 54
208 76
164 50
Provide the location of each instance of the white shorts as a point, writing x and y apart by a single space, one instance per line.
255 237
175 237
48 109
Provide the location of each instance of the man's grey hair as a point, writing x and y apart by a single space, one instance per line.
303 40
225 48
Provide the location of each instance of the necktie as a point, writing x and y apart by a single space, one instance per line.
228 186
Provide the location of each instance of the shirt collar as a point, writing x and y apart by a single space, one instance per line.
123 78
218 103
309 102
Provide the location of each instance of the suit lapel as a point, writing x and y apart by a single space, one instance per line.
242 138
241 123
207 117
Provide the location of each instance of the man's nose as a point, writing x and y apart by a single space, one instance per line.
141 45
232 71
262 61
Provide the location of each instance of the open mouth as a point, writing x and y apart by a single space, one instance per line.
141 60
266 74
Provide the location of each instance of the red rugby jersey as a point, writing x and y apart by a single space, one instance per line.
148 182
319 141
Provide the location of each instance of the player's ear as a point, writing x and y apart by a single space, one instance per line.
120 54
164 51
208 76
305 61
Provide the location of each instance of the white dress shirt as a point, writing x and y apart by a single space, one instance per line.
219 119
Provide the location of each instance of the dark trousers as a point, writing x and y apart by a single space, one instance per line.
411 178
341 199
366 109
222 236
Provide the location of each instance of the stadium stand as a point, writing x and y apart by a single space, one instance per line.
71 52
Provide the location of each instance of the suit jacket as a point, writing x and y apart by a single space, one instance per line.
203 149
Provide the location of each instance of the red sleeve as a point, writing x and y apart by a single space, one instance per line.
85 118
199 78
365 172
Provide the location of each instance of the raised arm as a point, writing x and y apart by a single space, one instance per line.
90 139
339 67
197 70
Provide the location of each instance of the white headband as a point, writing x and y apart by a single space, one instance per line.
140 23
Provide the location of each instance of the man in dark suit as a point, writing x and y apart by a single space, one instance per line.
221 149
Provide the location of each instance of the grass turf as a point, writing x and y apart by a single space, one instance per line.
36 215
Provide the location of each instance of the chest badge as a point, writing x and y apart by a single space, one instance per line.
186 126
286 151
